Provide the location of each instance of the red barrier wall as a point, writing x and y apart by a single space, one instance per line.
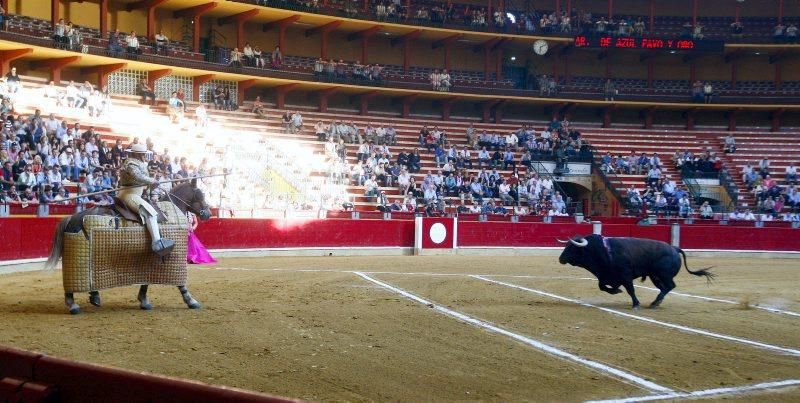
472 233
255 233
25 237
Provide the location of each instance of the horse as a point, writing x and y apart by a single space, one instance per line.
185 196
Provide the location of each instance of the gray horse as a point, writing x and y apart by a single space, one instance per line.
186 196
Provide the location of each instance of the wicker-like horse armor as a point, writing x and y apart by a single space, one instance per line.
117 253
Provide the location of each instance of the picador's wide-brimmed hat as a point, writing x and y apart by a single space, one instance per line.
138 149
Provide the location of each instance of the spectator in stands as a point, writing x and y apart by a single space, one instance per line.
258 55
162 42
276 59
132 45
60 38
235 58
708 92
143 89
227 99
737 30
778 33
175 108
791 173
249 55
201 116
115 43
445 81
258 107
697 31
297 122
610 90
697 92
219 98
13 81
2 18
730 144
791 34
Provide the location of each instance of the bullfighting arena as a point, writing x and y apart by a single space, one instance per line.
435 328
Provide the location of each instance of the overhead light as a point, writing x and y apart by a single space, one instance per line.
513 58
758 53
672 51
512 18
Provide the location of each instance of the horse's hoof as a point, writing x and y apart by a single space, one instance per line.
146 307
194 305
95 300
75 310
636 307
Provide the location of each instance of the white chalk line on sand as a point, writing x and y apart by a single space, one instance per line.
726 301
680 294
687 329
623 375
707 393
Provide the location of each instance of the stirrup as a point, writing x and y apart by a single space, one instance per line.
163 247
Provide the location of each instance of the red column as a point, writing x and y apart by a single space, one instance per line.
364 49
650 69
652 26
692 73
607 117
323 98
447 55
780 10
366 5
323 51
103 18
778 74
154 75
737 11
486 63
694 12
407 101
608 67
7 56
776 120
610 9
489 18
406 55
55 66
690 119
239 19
499 64
54 11
408 9
243 86
555 66
734 68
732 120
648 119
567 75
557 7
197 82
280 94
195 13
103 72
446 109
486 116
151 23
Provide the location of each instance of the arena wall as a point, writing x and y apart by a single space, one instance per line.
30 238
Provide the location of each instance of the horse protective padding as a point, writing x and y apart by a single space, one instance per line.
117 253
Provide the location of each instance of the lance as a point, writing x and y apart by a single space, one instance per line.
137 186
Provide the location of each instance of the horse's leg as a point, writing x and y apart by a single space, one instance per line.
69 301
144 302
94 298
188 299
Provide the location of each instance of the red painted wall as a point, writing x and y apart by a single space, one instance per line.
24 237
254 233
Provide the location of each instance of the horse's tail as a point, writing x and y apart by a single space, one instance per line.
702 272
58 245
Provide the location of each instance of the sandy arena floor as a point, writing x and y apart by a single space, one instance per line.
311 328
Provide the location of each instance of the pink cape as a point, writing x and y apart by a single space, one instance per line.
196 253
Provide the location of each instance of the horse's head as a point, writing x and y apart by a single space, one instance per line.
188 197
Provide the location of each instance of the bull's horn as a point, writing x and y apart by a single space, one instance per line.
560 241
580 242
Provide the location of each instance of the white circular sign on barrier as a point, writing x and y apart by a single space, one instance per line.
438 233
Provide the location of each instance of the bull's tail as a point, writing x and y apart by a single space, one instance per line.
58 245
702 272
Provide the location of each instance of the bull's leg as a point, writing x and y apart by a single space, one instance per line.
609 289
69 301
94 298
188 299
144 302
665 285
629 288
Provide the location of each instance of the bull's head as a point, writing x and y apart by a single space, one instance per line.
575 252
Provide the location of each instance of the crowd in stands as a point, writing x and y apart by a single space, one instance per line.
469 174
772 196
339 71
251 56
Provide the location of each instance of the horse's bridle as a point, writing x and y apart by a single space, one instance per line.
189 207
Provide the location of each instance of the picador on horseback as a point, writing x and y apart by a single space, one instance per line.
134 177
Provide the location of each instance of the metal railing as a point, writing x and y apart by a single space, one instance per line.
611 181
699 192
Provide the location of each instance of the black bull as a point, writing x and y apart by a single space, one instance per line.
618 261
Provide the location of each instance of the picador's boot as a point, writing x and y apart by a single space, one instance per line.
161 246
